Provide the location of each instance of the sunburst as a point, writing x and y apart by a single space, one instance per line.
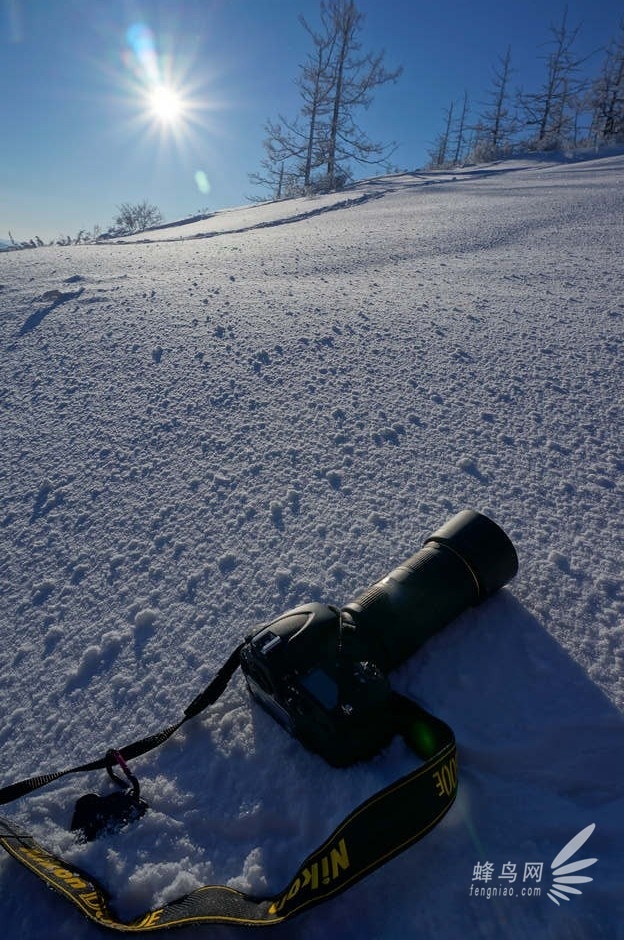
166 104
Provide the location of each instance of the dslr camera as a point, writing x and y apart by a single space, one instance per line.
322 671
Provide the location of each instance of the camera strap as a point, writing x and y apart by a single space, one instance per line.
380 828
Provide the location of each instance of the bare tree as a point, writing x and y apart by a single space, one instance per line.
496 124
335 81
439 151
315 83
548 110
136 217
607 95
460 131
292 147
284 148
354 77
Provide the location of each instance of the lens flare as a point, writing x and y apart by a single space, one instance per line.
142 45
202 182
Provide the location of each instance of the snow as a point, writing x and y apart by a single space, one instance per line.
201 432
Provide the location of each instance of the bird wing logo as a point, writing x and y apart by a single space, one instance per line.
565 881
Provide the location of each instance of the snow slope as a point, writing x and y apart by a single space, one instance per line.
199 433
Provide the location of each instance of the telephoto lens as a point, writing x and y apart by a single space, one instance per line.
460 565
323 672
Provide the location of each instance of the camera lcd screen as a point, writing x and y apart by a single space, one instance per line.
319 684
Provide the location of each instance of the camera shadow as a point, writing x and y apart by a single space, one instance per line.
541 757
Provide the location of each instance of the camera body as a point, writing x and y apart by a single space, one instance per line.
322 672
335 703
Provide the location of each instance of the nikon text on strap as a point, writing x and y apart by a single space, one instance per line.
377 830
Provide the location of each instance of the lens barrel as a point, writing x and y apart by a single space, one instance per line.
460 565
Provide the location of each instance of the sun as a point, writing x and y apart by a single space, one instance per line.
166 104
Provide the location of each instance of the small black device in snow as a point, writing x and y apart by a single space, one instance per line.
96 815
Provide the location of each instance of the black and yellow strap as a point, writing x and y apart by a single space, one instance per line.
377 830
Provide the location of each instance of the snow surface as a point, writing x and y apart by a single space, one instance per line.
199 433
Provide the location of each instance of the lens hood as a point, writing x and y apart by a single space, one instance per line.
483 547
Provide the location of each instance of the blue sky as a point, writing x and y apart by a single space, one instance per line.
78 139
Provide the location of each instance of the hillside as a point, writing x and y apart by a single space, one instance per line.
205 426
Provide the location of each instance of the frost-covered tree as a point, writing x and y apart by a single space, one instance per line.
439 152
136 217
550 110
354 77
315 84
279 171
497 123
460 131
607 95
317 149
450 145
294 149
